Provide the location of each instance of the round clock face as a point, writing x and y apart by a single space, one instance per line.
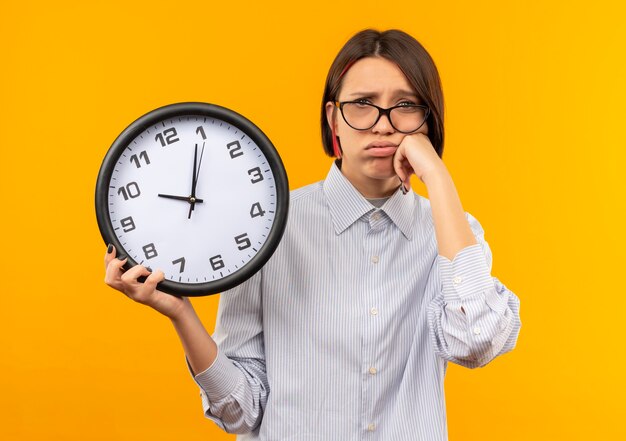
197 191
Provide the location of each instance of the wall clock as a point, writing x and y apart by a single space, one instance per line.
197 191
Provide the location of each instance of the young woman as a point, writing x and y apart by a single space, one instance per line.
346 332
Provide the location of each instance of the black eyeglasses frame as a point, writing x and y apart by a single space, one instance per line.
382 111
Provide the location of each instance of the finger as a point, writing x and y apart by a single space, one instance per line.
109 255
408 170
117 263
131 275
152 280
398 160
403 169
113 272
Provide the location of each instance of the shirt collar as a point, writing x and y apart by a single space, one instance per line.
347 205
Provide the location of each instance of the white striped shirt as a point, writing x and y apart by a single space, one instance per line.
346 332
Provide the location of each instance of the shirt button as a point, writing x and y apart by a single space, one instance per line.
376 216
476 330
373 371
371 427
374 311
457 280
375 259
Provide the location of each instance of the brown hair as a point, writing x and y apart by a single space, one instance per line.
410 56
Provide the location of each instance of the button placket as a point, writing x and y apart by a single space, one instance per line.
374 246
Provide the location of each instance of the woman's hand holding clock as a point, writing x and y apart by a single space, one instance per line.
145 293
200 349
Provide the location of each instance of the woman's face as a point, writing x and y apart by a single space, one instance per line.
368 154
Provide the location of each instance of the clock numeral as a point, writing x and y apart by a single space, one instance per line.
182 263
127 224
200 131
149 251
256 210
243 241
256 175
168 136
131 190
217 262
143 155
234 148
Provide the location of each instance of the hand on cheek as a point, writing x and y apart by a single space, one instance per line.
417 155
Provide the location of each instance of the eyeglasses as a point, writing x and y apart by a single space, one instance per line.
405 117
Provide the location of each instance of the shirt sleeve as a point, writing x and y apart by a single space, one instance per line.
234 389
473 317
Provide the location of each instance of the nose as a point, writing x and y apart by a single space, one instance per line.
383 125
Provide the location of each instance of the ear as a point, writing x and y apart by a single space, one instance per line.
330 106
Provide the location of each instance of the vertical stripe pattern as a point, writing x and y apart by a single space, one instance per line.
346 331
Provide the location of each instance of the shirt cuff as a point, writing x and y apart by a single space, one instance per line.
218 380
465 275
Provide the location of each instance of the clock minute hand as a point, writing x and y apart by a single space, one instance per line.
195 177
192 198
179 198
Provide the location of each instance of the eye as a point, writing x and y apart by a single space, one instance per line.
362 101
406 103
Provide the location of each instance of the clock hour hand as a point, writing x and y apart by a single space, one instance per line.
181 198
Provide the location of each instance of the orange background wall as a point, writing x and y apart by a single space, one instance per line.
535 101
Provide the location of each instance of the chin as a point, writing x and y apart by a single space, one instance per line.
381 169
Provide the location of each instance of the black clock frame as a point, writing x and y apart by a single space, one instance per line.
230 117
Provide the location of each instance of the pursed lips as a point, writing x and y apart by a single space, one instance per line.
381 148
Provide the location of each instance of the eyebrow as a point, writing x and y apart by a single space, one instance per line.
376 95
